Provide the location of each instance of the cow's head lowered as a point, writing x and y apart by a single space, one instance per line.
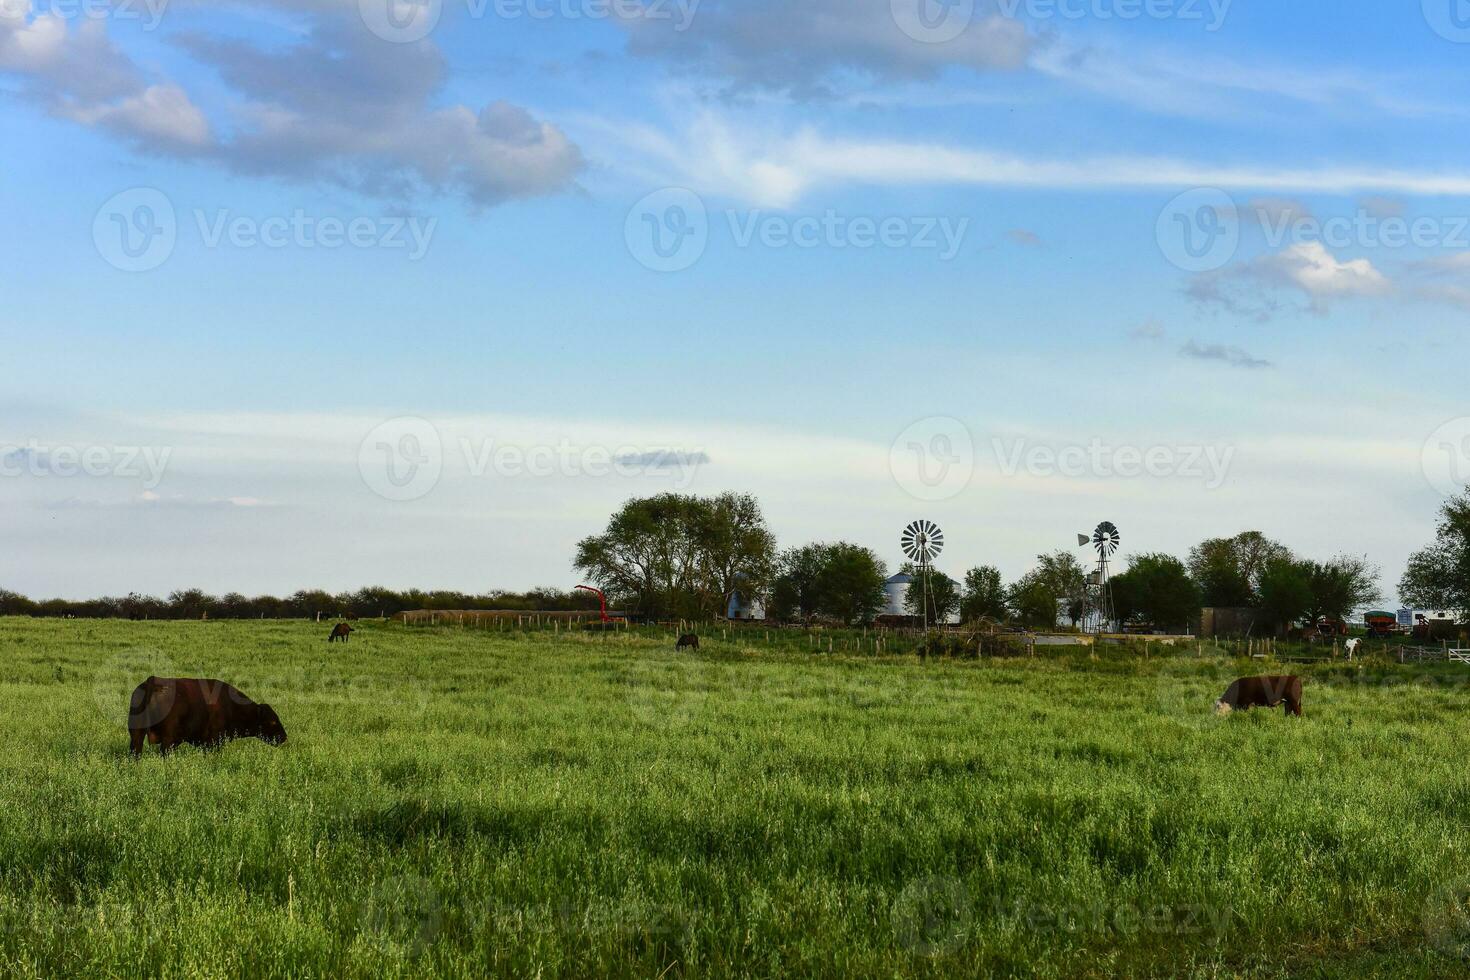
267 726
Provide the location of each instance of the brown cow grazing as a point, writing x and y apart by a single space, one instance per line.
340 632
169 711
1263 692
687 640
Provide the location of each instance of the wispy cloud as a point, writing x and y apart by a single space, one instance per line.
715 154
1231 356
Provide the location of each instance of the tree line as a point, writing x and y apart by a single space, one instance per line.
677 556
304 604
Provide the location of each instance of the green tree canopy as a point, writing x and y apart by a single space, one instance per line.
1286 591
1156 589
1341 585
676 555
1438 577
984 596
1063 574
1229 570
944 594
1032 601
840 580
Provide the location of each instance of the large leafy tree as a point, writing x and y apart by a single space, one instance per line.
1156 589
1438 577
1032 601
984 596
1064 576
794 592
839 580
737 550
1286 591
851 585
943 594
676 555
1341 585
1229 571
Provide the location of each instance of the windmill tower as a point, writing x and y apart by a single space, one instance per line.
922 541
1104 541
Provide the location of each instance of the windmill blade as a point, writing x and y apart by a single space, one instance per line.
1106 538
921 541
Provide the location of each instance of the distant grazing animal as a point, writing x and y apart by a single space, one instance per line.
1352 647
687 640
168 711
1263 692
340 632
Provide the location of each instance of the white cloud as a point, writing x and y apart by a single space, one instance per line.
339 105
1320 275
159 115
1249 288
776 168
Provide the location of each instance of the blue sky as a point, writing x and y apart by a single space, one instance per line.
1035 165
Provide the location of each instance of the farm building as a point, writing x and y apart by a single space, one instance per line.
738 608
897 587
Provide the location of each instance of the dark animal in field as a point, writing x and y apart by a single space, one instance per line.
340 632
687 640
169 711
1263 692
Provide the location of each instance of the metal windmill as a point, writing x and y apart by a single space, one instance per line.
922 541
1104 541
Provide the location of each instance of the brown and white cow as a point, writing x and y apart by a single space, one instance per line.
1263 692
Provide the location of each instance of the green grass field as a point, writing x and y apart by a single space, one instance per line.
458 803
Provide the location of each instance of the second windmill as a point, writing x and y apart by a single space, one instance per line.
922 541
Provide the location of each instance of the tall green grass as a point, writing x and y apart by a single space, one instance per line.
461 803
